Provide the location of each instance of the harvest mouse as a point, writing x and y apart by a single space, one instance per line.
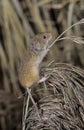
29 67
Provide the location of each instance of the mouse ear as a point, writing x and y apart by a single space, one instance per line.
35 45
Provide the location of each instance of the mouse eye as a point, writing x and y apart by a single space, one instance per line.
44 37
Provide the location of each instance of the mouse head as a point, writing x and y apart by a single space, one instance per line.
41 42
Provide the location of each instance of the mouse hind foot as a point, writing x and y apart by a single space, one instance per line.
34 103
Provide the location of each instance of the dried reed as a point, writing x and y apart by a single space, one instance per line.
20 20
61 100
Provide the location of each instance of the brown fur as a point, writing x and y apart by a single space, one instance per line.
29 66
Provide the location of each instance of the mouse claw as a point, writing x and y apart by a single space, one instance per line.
43 79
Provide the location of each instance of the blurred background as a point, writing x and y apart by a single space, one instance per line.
20 20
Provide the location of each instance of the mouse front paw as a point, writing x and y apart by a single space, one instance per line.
43 79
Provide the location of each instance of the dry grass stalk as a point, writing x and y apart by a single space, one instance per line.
18 24
10 111
61 103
